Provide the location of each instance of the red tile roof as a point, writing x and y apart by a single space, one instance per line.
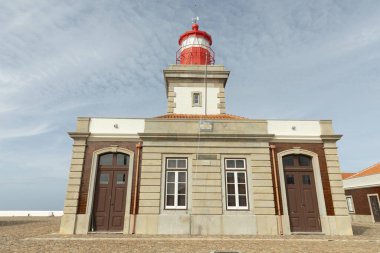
200 116
346 175
374 169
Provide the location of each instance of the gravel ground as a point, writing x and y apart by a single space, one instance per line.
33 234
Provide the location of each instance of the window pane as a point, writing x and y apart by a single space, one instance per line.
172 163
242 200
350 204
176 185
196 98
231 164
230 177
120 178
170 200
240 164
170 188
106 159
104 177
241 188
171 176
241 177
289 179
304 160
181 200
181 188
231 200
288 161
306 179
181 176
230 189
181 164
122 159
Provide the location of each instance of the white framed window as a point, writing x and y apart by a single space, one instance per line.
176 183
196 98
350 204
236 184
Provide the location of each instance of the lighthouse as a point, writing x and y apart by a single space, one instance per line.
197 170
195 47
195 85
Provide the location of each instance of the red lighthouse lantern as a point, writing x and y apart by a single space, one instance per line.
195 47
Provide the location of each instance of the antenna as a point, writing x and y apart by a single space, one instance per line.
206 85
195 20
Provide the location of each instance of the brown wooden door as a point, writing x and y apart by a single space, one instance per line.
110 195
375 207
118 198
301 197
102 200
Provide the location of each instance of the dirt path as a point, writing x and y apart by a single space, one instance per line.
32 234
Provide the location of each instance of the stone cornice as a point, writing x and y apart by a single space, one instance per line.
206 136
331 137
195 72
79 135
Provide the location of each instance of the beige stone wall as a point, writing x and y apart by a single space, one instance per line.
222 131
194 76
366 219
240 139
222 100
340 224
335 176
206 190
68 220
206 186
263 195
206 212
150 183
333 168
171 96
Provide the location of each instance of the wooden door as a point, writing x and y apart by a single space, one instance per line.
375 207
301 196
102 200
110 193
118 198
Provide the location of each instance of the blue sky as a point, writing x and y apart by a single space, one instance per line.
288 60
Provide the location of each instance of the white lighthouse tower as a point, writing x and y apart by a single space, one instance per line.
194 85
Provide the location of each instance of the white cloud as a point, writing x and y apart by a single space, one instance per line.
24 131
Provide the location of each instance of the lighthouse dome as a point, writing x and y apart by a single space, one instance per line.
195 47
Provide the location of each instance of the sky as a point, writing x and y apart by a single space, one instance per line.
289 59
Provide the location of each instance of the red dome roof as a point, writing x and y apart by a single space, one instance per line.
195 32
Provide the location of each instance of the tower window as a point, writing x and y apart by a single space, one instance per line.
196 98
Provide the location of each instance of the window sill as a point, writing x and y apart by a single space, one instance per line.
175 211
238 212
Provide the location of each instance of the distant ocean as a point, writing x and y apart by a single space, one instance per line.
30 213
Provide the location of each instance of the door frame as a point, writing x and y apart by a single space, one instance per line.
92 183
370 206
318 188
